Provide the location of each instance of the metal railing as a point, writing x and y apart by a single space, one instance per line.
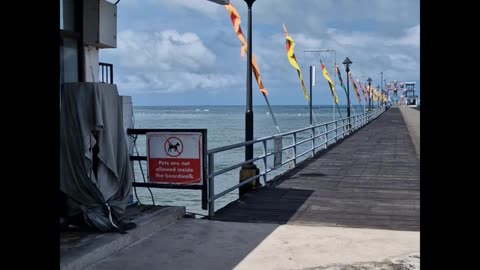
332 132
105 72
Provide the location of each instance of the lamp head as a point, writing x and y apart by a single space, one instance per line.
249 2
347 64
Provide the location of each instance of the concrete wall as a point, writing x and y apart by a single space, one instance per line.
91 63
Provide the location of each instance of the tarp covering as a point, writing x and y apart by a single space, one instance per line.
95 171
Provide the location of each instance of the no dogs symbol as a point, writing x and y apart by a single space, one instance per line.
173 147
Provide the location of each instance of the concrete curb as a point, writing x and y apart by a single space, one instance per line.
412 121
104 245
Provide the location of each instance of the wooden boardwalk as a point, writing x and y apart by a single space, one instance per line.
370 180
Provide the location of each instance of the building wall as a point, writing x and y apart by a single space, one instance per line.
91 63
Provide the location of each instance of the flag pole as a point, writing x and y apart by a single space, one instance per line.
339 112
271 113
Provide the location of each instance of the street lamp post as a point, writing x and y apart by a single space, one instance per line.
381 81
249 170
386 91
347 64
370 94
378 101
381 84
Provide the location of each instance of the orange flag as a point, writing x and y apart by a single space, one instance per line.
354 87
235 17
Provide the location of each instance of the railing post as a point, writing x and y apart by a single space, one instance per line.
111 73
295 149
265 161
211 186
343 128
352 119
349 126
313 141
335 129
326 135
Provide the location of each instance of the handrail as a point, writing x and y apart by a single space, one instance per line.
327 135
347 126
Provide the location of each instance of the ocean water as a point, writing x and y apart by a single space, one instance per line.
225 125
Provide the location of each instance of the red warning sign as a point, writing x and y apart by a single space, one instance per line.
175 158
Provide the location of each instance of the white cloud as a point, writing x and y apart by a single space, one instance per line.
178 82
377 35
204 7
411 37
371 52
166 61
166 50
357 39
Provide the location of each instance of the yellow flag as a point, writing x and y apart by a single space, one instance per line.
293 61
330 83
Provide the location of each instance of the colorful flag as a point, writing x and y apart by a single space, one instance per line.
340 79
290 45
235 17
363 91
354 87
330 83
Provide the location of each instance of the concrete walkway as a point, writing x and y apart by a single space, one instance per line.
368 185
412 120
80 249
205 244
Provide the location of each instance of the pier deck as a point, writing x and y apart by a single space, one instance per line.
370 180
367 186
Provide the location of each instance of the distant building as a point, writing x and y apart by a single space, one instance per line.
411 99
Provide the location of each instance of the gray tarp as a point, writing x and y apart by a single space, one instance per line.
91 114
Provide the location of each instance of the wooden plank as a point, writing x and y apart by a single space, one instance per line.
371 179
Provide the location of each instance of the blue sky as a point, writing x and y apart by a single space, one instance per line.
185 52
